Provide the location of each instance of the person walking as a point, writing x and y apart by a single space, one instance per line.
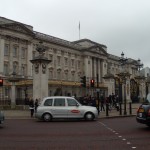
31 107
36 104
102 103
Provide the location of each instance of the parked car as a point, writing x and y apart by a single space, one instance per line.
143 112
1 117
64 107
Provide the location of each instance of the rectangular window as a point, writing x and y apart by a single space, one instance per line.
59 102
15 51
6 72
66 61
15 67
23 70
6 50
72 62
23 52
58 60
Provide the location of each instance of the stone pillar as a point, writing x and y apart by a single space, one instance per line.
1 56
13 96
40 73
128 91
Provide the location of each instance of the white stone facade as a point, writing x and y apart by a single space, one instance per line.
69 62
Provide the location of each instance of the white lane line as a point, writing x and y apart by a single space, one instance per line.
133 147
128 143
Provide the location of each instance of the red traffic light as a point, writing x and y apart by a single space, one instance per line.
1 82
92 82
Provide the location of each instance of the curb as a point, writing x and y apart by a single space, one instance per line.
103 117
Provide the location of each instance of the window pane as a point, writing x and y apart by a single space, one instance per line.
59 102
48 102
71 102
6 50
15 51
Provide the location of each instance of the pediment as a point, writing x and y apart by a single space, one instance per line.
86 43
97 49
17 27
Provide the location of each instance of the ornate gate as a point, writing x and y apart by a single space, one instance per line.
134 90
118 88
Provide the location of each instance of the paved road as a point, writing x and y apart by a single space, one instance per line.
114 133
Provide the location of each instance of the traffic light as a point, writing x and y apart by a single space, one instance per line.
1 82
83 81
92 82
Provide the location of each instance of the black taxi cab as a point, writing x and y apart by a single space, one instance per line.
143 112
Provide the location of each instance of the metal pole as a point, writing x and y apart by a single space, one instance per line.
125 109
107 108
130 107
98 93
120 106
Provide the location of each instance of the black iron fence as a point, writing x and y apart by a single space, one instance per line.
19 101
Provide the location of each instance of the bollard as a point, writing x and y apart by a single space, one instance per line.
120 105
107 108
130 108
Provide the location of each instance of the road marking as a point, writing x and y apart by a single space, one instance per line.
128 143
133 147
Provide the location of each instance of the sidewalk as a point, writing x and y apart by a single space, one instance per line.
25 114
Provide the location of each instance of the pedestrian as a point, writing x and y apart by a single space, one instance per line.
93 101
102 103
113 100
36 104
31 107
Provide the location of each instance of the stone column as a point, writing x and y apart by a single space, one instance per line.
40 73
128 90
1 55
13 95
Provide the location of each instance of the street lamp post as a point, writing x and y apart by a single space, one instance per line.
108 76
123 76
139 77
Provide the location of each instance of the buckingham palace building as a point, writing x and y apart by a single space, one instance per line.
69 62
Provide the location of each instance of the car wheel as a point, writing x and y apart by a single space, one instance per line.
89 116
47 117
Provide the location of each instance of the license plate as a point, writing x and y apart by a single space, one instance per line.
140 115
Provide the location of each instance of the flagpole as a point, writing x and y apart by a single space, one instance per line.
79 30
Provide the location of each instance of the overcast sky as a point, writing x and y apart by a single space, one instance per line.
121 25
